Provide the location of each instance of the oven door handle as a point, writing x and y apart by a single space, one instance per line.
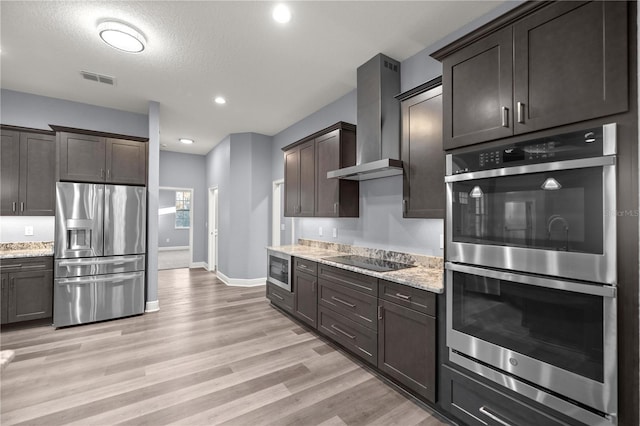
593 289
582 163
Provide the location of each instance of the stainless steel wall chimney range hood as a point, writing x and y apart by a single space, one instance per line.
378 131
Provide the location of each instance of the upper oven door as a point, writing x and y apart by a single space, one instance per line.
553 218
560 335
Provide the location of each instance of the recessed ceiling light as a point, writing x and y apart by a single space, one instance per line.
220 100
281 14
186 141
121 37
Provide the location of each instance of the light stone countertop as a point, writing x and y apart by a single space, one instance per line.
426 276
26 249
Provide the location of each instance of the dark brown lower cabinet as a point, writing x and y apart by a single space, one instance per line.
27 289
306 297
477 404
280 297
407 347
360 340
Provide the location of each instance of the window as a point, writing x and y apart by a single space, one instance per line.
183 208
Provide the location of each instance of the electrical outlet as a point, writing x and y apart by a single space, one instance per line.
335 233
282 228
28 230
320 231
168 240
441 241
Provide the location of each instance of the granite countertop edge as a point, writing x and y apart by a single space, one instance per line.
16 254
420 277
26 249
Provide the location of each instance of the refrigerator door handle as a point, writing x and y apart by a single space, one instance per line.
115 278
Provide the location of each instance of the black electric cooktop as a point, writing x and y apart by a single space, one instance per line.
378 265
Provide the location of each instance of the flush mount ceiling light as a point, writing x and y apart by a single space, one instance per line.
281 14
186 141
121 37
550 184
220 100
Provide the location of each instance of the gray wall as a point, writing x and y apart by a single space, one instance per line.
239 166
188 171
168 234
37 112
380 224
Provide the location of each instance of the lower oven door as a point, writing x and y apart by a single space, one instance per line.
559 335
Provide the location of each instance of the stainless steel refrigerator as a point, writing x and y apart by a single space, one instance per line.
99 252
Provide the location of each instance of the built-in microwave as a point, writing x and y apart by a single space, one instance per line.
279 269
545 206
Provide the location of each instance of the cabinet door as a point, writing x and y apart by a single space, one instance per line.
37 174
407 347
126 162
9 173
570 64
4 289
82 158
327 159
478 91
306 298
422 155
307 179
30 295
291 182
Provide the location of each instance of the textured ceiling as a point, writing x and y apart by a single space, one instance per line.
271 74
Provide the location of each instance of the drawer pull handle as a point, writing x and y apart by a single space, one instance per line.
493 417
351 305
13 206
301 266
341 331
34 266
380 312
403 296
278 296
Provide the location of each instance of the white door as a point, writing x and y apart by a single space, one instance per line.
213 229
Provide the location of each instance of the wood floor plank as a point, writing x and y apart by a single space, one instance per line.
213 354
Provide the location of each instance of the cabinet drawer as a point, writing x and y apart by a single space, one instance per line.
353 304
280 297
26 264
478 404
306 266
353 280
410 297
360 340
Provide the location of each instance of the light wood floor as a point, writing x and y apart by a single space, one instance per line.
212 355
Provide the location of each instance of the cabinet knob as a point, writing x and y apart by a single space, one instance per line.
505 116
520 113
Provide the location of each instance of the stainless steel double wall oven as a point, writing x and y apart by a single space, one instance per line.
531 269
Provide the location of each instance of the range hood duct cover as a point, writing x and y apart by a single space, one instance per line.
378 126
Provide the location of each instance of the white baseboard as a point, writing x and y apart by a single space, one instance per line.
238 282
198 265
173 248
153 306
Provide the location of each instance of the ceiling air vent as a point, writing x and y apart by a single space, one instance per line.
98 78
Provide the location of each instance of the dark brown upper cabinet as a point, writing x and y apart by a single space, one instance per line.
422 154
539 66
28 173
299 180
93 158
308 192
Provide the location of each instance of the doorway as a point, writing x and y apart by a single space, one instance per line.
175 227
212 261
281 231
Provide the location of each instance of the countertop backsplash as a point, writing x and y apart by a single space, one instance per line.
12 228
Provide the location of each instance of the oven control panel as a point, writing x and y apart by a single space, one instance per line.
569 146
